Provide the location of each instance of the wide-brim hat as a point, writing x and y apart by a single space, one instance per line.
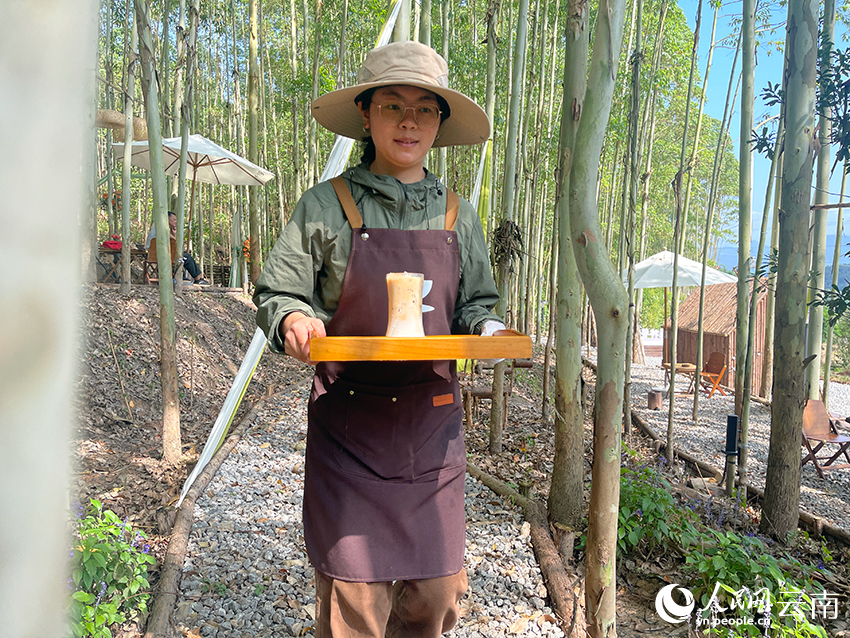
413 64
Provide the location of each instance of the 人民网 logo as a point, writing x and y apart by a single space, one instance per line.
669 609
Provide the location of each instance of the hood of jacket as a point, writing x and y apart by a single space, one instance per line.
406 205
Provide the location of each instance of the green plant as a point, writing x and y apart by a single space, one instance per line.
109 563
737 575
217 587
649 518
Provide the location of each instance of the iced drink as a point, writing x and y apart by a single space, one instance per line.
404 290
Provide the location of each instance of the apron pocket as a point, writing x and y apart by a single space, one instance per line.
372 427
438 438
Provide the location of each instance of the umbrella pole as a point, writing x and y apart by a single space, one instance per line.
192 196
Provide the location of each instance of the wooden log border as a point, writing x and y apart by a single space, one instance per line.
559 582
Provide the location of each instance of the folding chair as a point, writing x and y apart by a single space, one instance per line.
152 265
712 372
820 429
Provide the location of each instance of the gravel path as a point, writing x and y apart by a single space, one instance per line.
247 574
828 498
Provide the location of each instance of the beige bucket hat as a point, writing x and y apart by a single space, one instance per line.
408 63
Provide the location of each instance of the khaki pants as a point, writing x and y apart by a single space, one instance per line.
404 609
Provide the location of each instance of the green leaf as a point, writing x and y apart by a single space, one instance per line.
634 537
83 596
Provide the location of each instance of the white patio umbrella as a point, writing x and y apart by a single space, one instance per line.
657 272
207 162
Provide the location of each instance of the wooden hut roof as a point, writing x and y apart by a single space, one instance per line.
721 306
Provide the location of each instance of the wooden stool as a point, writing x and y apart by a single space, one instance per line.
654 399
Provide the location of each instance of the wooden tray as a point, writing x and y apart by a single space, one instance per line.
508 344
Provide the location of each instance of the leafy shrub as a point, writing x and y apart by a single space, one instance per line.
650 519
109 564
740 574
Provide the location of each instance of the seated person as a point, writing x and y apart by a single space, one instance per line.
189 263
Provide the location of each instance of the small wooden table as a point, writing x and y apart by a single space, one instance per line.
686 369
109 259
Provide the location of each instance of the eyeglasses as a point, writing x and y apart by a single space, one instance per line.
394 112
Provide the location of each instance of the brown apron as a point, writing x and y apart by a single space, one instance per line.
385 459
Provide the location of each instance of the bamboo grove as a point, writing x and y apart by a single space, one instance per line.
306 48
602 151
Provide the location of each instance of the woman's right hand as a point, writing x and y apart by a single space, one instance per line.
297 329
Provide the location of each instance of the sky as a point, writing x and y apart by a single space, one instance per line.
768 69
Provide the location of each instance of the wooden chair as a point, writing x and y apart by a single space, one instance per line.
820 429
152 266
472 394
712 372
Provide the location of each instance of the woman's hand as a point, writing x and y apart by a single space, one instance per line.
297 329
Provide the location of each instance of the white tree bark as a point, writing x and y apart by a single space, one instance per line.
47 90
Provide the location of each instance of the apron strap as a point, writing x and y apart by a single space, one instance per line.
347 201
356 221
452 207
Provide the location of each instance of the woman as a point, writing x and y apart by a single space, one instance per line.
385 460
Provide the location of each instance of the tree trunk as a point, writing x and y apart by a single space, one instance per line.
782 492
112 213
745 199
719 152
507 206
647 136
48 95
296 143
312 144
190 56
770 306
814 342
692 163
679 243
441 152
171 451
565 496
255 245
425 27
165 64
609 301
836 258
126 245
753 307
176 109
490 93
629 234
550 333
401 31
237 259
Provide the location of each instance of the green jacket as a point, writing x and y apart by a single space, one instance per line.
306 268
